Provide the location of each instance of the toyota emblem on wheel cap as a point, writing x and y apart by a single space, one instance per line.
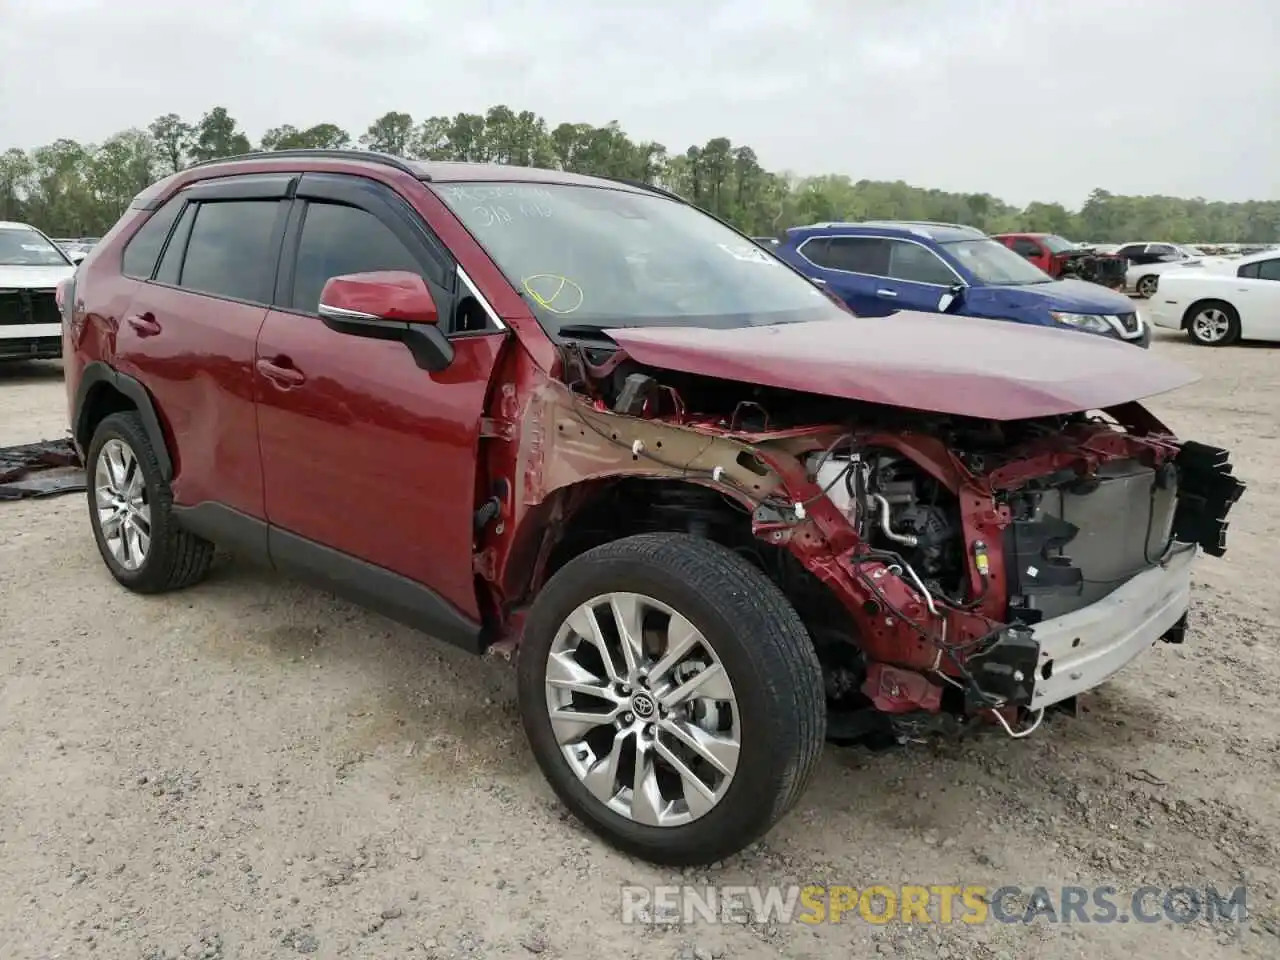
643 706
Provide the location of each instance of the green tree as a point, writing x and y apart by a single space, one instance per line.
71 188
218 135
390 133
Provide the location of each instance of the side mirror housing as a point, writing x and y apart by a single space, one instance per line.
388 305
388 295
950 298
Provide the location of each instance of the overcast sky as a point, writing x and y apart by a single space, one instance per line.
1026 100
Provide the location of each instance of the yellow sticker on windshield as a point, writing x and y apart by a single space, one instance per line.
558 294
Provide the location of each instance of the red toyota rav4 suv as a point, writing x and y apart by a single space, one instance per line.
582 422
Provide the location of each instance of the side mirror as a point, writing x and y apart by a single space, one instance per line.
950 298
389 305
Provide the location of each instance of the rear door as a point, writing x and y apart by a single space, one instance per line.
205 265
852 268
369 460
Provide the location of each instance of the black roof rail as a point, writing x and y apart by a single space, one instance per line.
320 153
642 185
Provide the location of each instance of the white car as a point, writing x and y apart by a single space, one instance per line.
1147 261
31 266
1237 299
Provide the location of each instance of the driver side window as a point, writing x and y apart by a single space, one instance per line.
338 240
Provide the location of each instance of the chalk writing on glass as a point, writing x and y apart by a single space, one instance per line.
492 214
489 193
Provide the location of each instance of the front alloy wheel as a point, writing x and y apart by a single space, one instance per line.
654 737
124 515
671 696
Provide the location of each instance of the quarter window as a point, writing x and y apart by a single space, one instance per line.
140 253
338 240
230 251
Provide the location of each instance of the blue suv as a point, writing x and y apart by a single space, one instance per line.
881 267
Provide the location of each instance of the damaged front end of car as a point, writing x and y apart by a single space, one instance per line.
948 567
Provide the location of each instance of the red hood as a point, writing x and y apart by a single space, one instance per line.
922 361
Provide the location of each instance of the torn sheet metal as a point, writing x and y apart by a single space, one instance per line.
43 469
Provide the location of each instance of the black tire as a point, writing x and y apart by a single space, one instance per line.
175 557
1149 280
1197 309
762 645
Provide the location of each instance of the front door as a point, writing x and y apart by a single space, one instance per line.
917 277
363 452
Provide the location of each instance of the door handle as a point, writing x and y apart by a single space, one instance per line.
818 280
887 293
144 324
285 376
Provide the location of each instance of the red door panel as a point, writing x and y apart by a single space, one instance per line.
366 453
196 356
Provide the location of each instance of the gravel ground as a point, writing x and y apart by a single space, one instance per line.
253 769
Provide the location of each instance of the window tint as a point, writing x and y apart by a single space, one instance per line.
1132 250
1161 250
917 264
1025 247
337 240
171 259
140 252
854 254
229 253
1269 270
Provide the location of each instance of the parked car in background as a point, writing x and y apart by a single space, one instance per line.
1148 260
581 423
1223 304
31 266
1061 258
881 267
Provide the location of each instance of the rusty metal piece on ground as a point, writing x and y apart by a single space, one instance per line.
43 469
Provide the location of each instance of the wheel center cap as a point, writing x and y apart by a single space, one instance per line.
642 706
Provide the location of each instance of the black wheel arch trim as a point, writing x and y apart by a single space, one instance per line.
97 372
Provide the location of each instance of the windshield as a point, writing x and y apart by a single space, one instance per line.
1057 244
599 257
23 247
994 263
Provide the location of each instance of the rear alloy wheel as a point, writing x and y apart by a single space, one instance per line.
130 511
1213 324
671 696
1146 286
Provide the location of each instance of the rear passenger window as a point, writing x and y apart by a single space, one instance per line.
230 251
171 259
338 240
1269 270
140 253
868 255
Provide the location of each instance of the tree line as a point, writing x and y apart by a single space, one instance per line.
68 188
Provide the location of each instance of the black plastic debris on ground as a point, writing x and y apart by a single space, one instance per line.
43 469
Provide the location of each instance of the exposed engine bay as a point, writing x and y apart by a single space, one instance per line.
922 551
1102 268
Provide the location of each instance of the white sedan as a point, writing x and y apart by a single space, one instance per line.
1148 261
1220 303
